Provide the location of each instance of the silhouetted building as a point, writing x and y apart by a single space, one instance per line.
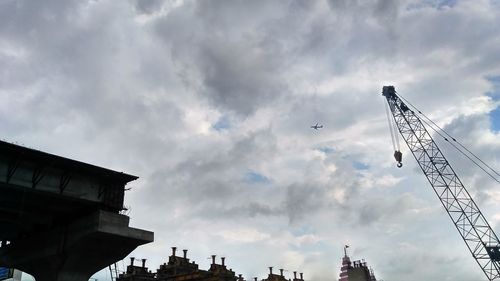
137 273
355 271
281 277
180 268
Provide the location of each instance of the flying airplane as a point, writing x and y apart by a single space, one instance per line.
317 126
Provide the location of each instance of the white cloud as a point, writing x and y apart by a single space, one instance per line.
243 235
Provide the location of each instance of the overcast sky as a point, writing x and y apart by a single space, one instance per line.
210 103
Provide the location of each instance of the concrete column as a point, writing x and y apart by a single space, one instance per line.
76 251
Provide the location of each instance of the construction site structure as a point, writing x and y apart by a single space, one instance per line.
180 268
471 224
61 219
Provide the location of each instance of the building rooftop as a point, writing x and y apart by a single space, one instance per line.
180 268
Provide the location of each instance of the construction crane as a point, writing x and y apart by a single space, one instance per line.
473 227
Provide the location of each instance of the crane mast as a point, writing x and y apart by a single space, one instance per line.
461 208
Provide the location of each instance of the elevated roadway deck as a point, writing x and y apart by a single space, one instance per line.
60 218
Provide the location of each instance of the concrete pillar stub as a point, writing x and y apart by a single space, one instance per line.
76 251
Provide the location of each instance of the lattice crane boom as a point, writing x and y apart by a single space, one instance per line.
463 211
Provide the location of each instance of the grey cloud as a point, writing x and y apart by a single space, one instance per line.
79 71
245 210
303 200
299 202
341 4
467 130
148 6
240 78
90 81
214 180
351 107
240 70
377 209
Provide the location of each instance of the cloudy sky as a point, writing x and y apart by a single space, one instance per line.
210 103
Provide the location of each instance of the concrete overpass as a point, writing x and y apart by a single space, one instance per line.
61 219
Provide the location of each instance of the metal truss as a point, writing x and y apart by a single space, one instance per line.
463 211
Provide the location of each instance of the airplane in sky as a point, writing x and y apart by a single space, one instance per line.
317 126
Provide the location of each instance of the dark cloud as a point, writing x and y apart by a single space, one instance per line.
235 68
303 201
377 209
215 181
240 77
245 210
148 6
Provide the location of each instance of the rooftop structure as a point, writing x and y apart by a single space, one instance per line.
355 271
180 268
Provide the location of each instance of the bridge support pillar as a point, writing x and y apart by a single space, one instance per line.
76 251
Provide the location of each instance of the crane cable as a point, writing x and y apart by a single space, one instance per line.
463 153
396 134
394 137
446 139
433 126
390 126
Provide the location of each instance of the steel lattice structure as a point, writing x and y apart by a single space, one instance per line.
463 211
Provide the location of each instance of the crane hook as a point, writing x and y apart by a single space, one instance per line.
399 157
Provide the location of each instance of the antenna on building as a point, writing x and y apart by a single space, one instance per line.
345 250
